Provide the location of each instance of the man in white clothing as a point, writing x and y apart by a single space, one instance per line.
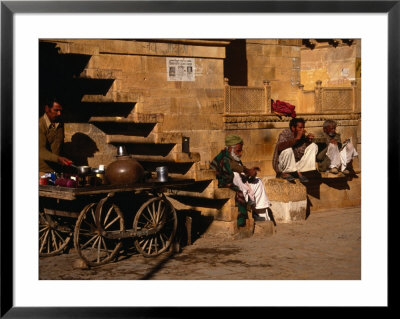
294 151
333 155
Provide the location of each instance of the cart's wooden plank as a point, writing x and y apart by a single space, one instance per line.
70 193
61 213
57 195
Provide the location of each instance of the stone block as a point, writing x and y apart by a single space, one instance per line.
262 41
228 213
286 212
296 42
221 228
221 193
272 50
280 190
266 228
253 49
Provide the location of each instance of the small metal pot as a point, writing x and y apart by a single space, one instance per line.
83 170
99 176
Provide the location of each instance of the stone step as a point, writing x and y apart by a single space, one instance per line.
73 48
101 73
131 118
111 110
170 158
112 96
338 175
153 138
203 174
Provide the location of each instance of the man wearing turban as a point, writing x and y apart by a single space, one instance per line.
232 173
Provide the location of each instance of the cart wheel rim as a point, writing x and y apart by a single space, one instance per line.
91 244
53 238
159 213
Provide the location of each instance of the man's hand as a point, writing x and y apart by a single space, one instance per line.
310 137
252 172
64 161
299 134
333 141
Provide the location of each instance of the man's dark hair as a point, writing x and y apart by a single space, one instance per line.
49 101
294 121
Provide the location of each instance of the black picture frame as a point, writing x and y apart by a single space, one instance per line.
9 8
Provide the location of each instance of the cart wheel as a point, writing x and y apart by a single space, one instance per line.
156 212
89 237
54 235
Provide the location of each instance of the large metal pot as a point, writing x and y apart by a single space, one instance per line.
125 170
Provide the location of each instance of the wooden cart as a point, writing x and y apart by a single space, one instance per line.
98 218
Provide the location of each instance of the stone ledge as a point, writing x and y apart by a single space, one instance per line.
281 190
243 117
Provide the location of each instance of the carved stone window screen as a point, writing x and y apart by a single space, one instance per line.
246 100
340 99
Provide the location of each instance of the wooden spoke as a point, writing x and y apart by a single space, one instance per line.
44 241
111 223
90 238
54 235
108 214
88 242
157 212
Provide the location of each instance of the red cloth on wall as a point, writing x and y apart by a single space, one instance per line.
284 108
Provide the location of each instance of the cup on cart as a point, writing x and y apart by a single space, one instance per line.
162 173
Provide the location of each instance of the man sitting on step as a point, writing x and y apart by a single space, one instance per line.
294 152
333 156
232 173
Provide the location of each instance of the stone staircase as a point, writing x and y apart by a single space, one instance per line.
113 112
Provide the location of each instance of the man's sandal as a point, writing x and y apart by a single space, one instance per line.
288 177
303 179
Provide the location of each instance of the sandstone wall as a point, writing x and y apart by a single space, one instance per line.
276 60
334 66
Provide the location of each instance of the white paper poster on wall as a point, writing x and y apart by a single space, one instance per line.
180 69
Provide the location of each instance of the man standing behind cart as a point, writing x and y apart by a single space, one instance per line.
51 138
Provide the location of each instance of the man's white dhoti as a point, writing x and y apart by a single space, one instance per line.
256 191
287 162
340 159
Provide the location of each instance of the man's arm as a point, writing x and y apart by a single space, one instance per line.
44 153
287 140
321 155
53 155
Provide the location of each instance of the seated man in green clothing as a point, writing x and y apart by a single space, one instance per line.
232 173
51 138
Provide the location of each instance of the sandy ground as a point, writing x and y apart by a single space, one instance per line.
326 246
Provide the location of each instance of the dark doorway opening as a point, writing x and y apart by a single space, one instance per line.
235 64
